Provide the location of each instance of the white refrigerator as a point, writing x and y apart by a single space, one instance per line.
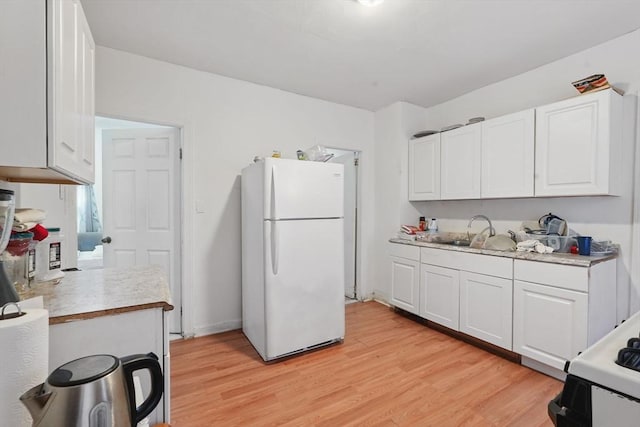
292 255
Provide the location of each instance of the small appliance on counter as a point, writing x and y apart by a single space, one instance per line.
94 391
7 208
14 260
602 387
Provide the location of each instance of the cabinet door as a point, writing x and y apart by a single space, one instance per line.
86 101
439 295
549 324
486 308
405 281
577 145
508 156
460 163
71 68
23 84
424 168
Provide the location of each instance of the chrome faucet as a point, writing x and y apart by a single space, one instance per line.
492 231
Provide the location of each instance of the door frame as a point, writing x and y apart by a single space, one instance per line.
186 196
357 154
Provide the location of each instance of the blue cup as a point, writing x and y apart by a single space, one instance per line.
584 245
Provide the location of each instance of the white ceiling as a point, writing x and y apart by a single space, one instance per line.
421 51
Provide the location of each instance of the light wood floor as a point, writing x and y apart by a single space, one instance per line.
390 371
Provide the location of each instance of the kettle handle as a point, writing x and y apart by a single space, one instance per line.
133 363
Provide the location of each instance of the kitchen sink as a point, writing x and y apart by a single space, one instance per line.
456 242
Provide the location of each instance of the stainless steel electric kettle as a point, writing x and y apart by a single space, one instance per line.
94 391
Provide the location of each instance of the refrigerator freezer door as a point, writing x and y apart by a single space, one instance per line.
298 189
304 284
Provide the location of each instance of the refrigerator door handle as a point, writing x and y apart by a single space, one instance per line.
275 251
272 214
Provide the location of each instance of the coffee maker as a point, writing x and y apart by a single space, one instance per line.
7 209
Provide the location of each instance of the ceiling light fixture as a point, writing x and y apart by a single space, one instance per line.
370 3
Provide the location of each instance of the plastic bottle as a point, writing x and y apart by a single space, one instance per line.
49 257
433 226
422 224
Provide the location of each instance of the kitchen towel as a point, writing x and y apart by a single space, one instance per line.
29 215
20 227
24 357
26 218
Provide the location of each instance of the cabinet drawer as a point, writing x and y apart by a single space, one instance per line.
404 251
558 275
440 257
486 264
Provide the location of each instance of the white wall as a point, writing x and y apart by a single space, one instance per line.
394 125
226 123
605 217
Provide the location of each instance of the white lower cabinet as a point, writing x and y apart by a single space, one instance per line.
560 310
547 312
486 308
439 295
405 277
550 324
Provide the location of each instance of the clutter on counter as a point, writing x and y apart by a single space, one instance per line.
549 234
533 245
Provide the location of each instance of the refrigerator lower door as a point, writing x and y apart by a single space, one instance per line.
304 284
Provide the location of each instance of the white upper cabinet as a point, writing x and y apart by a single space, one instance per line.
578 146
424 168
460 163
47 115
507 155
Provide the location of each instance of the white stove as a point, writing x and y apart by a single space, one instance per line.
602 387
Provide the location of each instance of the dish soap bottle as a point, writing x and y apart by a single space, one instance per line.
433 226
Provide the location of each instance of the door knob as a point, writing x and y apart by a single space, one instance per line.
106 239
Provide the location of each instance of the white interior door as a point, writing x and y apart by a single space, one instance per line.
349 161
141 203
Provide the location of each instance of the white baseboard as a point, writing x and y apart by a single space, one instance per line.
541 367
217 328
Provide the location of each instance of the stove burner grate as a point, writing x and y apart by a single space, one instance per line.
629 357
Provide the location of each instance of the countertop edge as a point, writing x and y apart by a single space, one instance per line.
564 259
108 312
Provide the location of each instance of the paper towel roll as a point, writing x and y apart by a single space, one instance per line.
24 358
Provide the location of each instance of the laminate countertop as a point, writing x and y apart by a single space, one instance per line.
93 293
554 258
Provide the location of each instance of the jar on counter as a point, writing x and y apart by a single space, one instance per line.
14 260
49 257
